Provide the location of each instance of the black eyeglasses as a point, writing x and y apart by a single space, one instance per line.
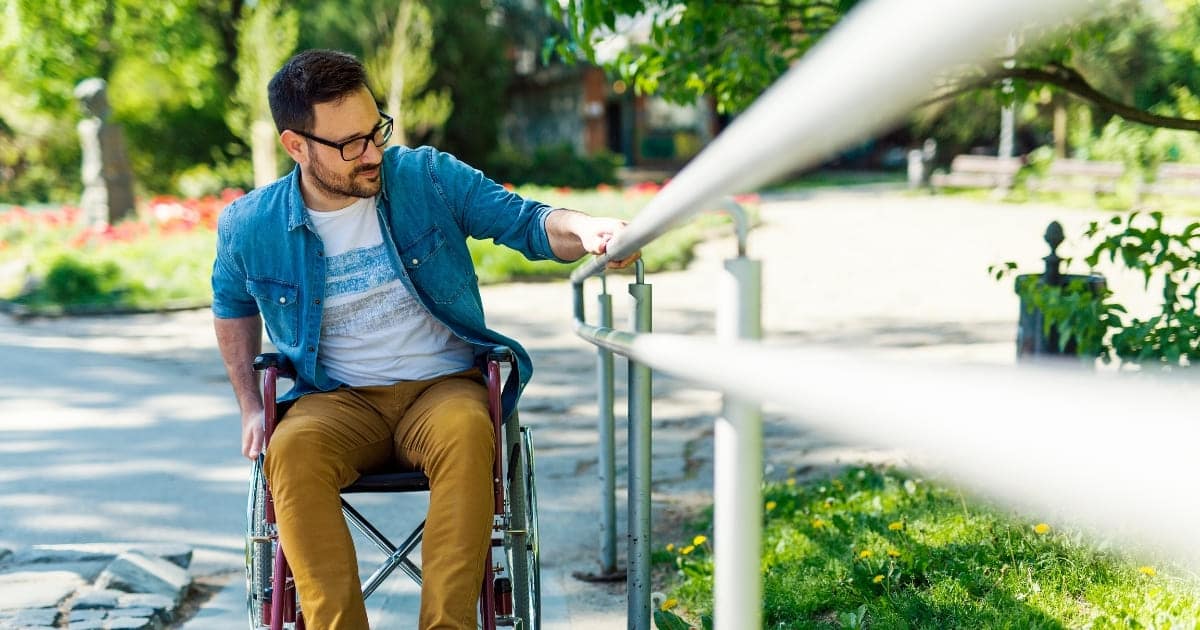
353 148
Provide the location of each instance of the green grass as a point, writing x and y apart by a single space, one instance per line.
834 179
881 549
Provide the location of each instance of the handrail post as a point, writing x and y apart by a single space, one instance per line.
737 465
607 466
638 567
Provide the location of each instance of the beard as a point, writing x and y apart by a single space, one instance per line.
351 185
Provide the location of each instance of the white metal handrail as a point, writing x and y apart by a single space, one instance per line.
880 62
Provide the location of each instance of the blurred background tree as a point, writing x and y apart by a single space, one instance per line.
267 36
1089 81
185 76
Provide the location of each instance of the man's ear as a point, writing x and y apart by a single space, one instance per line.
295 146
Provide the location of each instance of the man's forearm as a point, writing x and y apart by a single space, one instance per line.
563 232
240 340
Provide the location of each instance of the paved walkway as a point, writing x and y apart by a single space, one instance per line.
123 429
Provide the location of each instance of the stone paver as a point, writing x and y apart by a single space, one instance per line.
92 586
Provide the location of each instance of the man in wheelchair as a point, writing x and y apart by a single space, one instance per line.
357 263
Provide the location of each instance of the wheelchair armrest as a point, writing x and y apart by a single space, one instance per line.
277 361
503 354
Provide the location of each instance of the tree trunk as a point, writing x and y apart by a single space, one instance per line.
404 17
262 151
1060 126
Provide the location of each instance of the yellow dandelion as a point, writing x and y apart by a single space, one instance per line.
700 540
877 579
669 603
686 550
1041 528
838 484
1147 571
895 526
893 553
670 546
791 481
864 554
818 523
771 505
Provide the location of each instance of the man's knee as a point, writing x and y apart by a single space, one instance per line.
463 427
292 455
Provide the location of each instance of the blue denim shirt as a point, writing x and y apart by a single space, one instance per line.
271 261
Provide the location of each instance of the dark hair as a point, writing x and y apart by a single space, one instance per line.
309 78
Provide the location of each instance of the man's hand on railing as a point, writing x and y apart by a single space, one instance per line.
573 234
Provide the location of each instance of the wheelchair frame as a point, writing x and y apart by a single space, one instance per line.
510 595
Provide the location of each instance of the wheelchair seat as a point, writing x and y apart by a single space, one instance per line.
403 481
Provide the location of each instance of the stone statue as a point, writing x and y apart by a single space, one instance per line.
107 177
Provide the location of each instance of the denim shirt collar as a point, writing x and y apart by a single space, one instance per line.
297 214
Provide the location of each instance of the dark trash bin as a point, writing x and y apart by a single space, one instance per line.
1033 340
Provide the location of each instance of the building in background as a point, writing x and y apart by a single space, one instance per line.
578 105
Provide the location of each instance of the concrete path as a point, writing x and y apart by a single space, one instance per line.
123 429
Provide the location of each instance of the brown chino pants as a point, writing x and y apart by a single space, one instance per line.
328 439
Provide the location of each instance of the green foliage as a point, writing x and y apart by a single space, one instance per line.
557 165
146 274
162 62
402 66
667 620
730 51
71 280
883 549
266 38
1098 325
466 51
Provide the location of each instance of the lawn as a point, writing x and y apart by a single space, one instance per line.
884 549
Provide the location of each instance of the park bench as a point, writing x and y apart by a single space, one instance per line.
978 171
1069 175
1174 180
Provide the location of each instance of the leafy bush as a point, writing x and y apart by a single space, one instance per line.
553 165
1099 326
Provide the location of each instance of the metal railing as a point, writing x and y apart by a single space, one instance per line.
880 62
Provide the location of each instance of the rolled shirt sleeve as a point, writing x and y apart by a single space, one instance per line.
230 298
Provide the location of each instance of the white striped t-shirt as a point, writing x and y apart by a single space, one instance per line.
374 332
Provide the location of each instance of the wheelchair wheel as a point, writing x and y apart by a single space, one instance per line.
260 551
521 543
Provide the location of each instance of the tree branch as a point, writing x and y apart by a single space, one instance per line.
1071 81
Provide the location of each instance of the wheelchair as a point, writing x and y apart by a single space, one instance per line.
510 593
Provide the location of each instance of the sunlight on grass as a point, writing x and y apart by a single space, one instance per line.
882 549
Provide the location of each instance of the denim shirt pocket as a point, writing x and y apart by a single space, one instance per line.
279 303
429 265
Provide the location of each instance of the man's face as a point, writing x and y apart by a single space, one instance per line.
353 117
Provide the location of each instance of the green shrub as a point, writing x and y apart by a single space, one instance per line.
553 165
1098 325
72 281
